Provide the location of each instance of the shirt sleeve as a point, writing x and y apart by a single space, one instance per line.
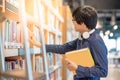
99 53
61 49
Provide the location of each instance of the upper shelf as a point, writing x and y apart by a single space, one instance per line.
32 20
10 12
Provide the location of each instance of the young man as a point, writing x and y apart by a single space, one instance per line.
84 20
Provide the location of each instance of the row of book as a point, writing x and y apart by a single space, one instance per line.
18 64
39 64
58 56
13 37
13 34
50 60
58 74
36 32
14 64
50 56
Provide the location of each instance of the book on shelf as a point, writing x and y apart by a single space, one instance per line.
51 38
12 34
52 76
58 74
50 60
81 57
14 64
39 64
37 37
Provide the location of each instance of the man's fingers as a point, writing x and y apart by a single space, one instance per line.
67 60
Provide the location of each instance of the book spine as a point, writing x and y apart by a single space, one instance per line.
14 65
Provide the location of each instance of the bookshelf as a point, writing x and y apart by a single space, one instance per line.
50 18
12 16
68 32
44 19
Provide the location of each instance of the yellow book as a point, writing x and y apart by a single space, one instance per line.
81 57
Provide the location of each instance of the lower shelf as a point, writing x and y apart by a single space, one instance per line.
20 74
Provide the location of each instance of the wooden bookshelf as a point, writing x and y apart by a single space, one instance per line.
8 13
11 52
67 31
43 22
51 31
20 74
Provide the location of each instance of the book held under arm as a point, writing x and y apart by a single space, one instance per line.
81 57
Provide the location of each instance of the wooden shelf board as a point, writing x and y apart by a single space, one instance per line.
20 74
32 51
12 15
11 52
9 14
32 20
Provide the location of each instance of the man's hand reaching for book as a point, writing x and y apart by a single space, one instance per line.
32 39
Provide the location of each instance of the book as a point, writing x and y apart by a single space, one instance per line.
81 57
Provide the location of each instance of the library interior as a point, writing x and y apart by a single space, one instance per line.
50 22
